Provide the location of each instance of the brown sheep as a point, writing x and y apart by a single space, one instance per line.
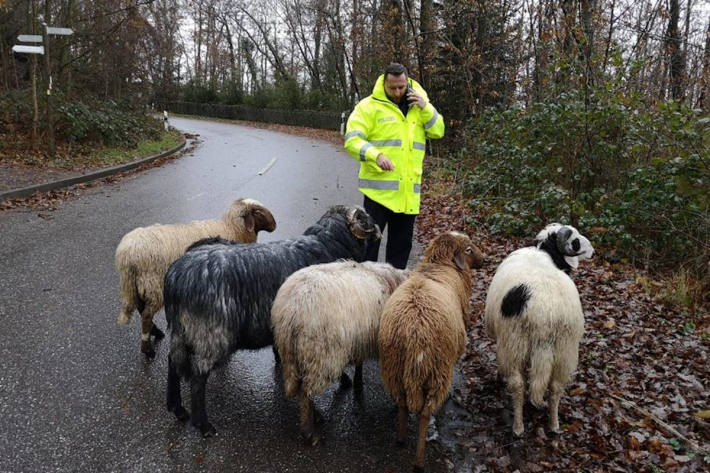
423 331
144 255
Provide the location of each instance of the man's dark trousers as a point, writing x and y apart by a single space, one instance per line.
399 234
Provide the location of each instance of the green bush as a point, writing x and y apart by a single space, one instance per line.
109 123
639 176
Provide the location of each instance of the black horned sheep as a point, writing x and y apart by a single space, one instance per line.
218 297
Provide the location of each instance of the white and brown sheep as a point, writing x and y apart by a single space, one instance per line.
144 255
423 331
534 313
326 317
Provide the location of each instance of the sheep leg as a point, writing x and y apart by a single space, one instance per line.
345 382
146 329
402 415
555 394
516 385
198 383
157 333
174 397
357 379
307 418
421 441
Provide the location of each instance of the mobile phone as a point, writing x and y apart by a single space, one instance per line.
410 90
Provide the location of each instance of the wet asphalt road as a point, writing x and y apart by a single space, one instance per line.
76 394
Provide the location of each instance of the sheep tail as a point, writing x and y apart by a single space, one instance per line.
291 378
129 292
289 364
179 351
416 378
541 362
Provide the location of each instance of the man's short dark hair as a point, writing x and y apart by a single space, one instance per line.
396 69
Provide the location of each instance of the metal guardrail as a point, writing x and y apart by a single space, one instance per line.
306 118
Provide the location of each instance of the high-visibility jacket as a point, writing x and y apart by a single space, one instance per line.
377 125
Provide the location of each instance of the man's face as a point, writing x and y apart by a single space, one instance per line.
395 87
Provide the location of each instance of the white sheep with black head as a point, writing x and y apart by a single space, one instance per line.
534 313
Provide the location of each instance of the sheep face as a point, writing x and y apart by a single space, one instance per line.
454 248
565 244
361 224
252 215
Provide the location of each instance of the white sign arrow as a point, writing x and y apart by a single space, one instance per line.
30 38
21 48
59 31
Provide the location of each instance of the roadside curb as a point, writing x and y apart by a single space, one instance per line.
48 186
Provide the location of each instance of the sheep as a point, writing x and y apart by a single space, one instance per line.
144 255
534 313
325 317
218 297
423 331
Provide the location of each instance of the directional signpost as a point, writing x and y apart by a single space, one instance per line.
21 48
44 50
30 38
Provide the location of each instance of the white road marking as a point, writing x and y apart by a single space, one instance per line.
268 166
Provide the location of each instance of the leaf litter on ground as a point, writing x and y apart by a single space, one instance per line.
639 399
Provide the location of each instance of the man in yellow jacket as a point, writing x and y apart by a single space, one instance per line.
387 133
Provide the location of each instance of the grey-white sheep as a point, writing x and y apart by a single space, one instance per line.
534 313
144 255
218 297
326 317
423 331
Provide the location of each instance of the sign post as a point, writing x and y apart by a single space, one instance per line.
50 118
44 50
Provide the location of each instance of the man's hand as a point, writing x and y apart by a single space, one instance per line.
384 163
414 98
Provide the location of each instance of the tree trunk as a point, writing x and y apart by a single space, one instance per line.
427 44
674 55
587 11
704 98
198 48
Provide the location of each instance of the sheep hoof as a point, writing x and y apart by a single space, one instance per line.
312 439
318 417
147 349
418 469
207 430
180 412
518 433
157 333
123 319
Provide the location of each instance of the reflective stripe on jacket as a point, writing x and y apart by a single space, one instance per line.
376 126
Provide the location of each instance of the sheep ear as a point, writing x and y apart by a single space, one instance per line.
563 234
572 261
460 260
249 222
